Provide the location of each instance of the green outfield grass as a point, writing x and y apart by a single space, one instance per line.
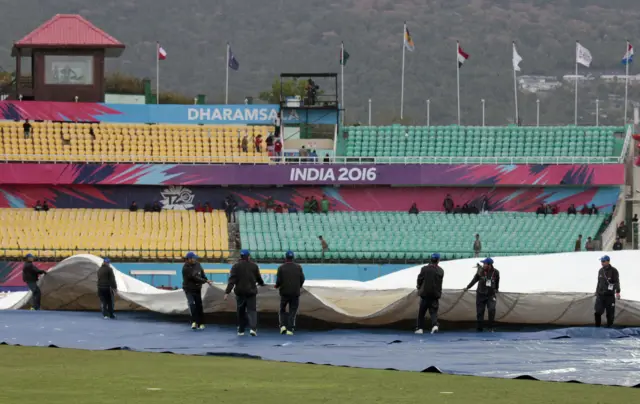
65 376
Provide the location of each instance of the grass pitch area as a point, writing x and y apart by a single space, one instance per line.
65 376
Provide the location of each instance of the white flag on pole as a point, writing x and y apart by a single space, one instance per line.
583 56
516 59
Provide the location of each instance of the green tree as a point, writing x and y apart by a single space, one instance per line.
290 88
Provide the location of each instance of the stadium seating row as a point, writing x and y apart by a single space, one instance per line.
112 232
53 141
462 142
398 235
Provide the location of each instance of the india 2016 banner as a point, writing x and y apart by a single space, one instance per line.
313 174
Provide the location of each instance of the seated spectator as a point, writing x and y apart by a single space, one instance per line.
324 205
572 210
259 143
554 209
541 210
38 206
413 210
474 210
148 207
447 204
45 206
326 159
457 210
466 209
547 209
307 205
156 207
593 210
584 210
313 156
279 209
199 207
578 245
27 128
315 206
133 207
292 209
617 246
590 245
263 207
255 208
207 207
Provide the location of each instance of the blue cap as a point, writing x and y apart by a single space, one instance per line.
29 255
191 255
435 256
605 258
289 254
487 260
244 253
106 261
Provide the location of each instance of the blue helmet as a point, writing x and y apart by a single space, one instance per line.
106 261
245 253
487 260
191 255
435 257
289 255
605 258
29 256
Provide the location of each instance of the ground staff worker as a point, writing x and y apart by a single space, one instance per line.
106 286
289 281
607 291
488 279
193 277
30 274
243 278
430 290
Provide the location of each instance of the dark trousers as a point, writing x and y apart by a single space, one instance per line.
247 314
431 305
288 320
35 295
194 299
487 302
605 304
106 301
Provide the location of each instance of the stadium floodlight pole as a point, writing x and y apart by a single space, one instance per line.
404 32
369 111
538 112
575 112
515 83
626 82
157 72
428 112
458 77
226 87
342 80
598 112
482 112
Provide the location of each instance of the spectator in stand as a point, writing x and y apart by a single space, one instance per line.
258 142
457 210
621 231
584 210
277 148
133 207
447 204
148 207
554 209
279 209
276 124
593 210
245 143
307 205
207 207
27 129
548 209
255 208
484 205
327 159
477 246
263 207
38 206
269 143
578 246
199 207
541 210
156 207
314 156
45 206
324 205
635 218
313 205
413 210
466 209
324 245
230 205
292 209
617 246
590 245
572 210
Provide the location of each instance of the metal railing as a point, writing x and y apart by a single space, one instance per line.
344 160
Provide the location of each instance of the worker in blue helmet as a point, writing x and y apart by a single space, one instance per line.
30 275
607 291
430 290
106 287
289 281
243 278
193 277
488 279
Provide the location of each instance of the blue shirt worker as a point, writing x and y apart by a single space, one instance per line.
243 278
193 277
429 287
30 275
289 281
106 286
607 291
488 279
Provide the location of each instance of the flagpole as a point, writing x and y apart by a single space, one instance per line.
157 72
515 84
226 87
458 77
575 112
342 80
404 33
626 84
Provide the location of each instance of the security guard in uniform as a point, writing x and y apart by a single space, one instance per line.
106 286
430 290
30 275
243 278
488 279
607 291
289 281
193 277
